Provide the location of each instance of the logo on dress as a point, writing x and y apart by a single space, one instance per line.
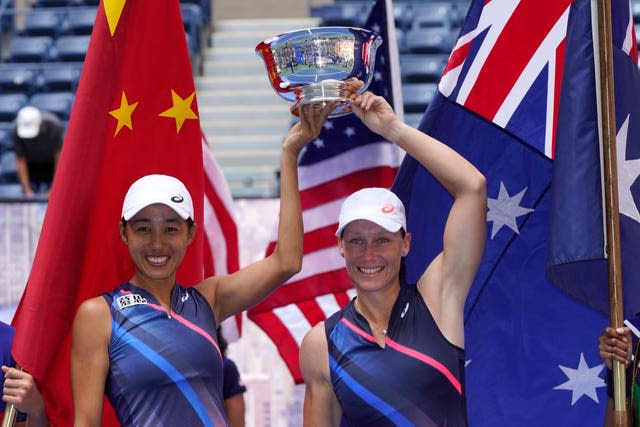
128 300
404 311
185 296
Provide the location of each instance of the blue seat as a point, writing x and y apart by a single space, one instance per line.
10 192
430 14
60 77
429 40
58 103
52 3
635 10
342 14
416 96
193 21
19 78
10 104
422 68
205 6
42 22
80 20
8 170
30 49
6 144
71 48
6 19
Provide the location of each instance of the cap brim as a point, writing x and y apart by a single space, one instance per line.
132 211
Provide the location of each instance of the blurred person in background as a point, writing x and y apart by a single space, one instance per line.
233 388
37 140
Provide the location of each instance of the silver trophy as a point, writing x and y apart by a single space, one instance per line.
313 64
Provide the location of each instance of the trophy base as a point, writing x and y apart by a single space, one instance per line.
321 93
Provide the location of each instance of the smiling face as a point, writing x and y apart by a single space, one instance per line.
157 238
372 254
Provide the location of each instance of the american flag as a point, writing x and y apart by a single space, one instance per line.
221 252
344 158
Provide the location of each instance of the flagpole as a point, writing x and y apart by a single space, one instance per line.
612 219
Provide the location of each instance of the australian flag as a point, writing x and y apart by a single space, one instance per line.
531 349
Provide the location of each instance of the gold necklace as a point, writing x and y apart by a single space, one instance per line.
382 331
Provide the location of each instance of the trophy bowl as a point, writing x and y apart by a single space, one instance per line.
311 65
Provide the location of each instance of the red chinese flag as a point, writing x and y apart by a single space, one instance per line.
134 114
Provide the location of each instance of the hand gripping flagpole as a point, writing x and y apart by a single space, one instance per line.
10 412
605 75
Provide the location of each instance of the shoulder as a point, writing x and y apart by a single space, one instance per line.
315 341
93 310
314 360
51 119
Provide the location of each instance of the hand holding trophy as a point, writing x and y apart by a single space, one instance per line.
320 65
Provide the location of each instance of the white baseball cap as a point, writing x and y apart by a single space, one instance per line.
377 205
152 189
28 122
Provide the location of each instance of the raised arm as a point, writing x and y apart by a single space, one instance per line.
446 282
233 293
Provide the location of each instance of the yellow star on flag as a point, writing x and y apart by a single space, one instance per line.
123 114
113 11
181 109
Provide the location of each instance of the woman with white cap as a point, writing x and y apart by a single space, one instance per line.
150 344
394 355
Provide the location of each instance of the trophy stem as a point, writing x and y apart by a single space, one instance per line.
327 90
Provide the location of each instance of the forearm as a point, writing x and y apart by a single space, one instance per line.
289 246
23 174
452 170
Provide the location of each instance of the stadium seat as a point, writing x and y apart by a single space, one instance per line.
635 11
42 22
205 6
10 104
58 103
430 14
413 119
6 19
19 78
422 68
8 172
342 14
429 40
52 3
61 77
6 144
10 192
416 96
193 21
71 48
80 20
30 49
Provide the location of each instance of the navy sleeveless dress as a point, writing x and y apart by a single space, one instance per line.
416 380
165 369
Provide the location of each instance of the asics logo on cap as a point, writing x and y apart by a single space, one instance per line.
177 199
387 209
